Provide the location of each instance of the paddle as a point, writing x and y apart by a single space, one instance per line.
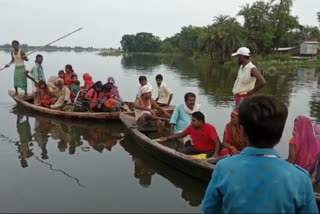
37 49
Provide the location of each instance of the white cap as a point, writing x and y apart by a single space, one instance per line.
242 51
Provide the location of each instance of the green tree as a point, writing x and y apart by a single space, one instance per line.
141 42
221 38
318 16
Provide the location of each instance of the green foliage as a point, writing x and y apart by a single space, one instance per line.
267 26
141 42
318 16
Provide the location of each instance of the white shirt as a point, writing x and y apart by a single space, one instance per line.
163 93
244 82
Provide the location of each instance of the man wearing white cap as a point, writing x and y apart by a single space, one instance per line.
145 116
249 79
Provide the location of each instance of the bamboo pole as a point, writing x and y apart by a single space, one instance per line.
37 49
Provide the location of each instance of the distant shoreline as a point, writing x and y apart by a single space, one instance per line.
7 47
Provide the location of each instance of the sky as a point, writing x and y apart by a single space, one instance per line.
37 22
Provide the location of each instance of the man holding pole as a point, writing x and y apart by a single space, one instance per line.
18 57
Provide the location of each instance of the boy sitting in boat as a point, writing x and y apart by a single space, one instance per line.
204 137
144 114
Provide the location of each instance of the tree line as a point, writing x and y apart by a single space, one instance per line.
267 26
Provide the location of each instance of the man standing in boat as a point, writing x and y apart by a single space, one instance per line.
249 79
18 57
36 72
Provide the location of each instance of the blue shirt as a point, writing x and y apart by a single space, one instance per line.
258 181
180 118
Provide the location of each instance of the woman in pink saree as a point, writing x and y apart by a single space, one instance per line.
304 147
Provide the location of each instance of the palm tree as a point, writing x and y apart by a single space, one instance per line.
318 16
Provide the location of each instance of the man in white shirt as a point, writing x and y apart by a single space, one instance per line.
249 79
164 93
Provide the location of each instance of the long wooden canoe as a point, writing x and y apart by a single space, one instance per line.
196 168
28 103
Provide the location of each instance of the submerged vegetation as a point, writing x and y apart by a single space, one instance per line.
267 26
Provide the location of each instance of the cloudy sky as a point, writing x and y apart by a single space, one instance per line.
37 22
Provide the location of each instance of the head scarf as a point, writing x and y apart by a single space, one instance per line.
111 80
307 144
87 81
233 134
58 80
145 89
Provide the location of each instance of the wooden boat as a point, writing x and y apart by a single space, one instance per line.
196 168
27 102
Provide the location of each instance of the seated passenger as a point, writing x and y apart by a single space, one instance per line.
94 97
52 87
143 81
164 93
68 75
204 137
114 89
233 140
110 103
304 147
63 94
88 83
42 97
61 74
181 117
144 114
75 88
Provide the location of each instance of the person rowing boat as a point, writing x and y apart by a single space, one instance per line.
18 57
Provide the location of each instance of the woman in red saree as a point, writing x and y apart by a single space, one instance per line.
233 140
88 83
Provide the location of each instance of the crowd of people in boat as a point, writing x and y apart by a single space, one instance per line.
255 128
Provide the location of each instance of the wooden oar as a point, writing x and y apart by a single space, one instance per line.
37 49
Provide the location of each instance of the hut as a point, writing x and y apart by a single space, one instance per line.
309 48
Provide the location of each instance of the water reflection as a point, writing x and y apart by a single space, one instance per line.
145 167
24 132
73 138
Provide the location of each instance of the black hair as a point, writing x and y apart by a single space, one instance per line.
159 77
69 67
15 42
61 71
97 84
39 55
41 82
107 87
189 94
263 119
199 116
142 78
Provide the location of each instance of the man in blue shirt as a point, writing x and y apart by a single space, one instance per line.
181 117
257 180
